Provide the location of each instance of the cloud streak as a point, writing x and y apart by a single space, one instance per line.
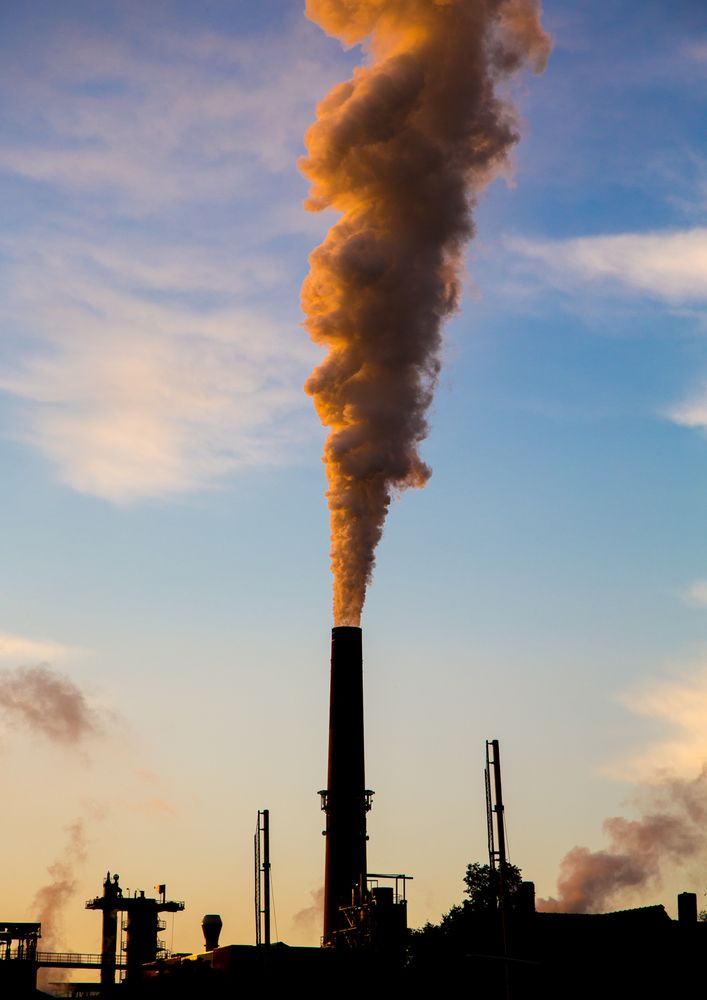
670 265
158 120
15 648
149 360
697 593
680 705
692 413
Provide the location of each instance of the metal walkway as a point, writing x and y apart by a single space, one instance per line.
69 960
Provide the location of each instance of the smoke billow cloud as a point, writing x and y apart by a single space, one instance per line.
403 150
672 830
48 703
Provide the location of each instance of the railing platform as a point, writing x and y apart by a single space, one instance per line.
65 960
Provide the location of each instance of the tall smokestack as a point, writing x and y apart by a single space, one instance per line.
346 799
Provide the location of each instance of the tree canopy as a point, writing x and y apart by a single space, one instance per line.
482 886
470 928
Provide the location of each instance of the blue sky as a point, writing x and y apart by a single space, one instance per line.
166 532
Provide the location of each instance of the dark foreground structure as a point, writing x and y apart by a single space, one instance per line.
630 954
142 927
638 953
345 800
360 913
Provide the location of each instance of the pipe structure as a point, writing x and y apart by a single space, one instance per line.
109 943
266 875
109 903
346 799
143 924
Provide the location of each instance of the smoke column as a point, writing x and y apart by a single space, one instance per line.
403 150
50 901
673 830
48 703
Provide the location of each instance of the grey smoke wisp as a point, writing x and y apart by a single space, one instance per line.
48 703
311 916
50 901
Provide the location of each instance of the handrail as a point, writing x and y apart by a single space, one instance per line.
59 959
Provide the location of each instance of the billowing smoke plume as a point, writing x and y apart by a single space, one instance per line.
50 901
673 830
48 703
402 150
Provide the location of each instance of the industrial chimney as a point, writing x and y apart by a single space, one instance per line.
346 799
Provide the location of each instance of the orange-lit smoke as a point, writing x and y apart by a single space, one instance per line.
673 830
403 150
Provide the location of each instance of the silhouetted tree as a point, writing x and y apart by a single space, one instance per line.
482 886
469 926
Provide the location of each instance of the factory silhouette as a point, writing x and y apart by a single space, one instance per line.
493 945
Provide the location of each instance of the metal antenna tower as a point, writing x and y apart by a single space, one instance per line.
261 845
497 843
495 820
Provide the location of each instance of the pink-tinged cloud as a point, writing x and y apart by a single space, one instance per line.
18 648
681 703
160 806
672 830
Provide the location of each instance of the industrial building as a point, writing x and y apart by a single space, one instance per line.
508 951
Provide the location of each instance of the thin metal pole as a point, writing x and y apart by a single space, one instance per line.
266 874
256 858
501 835
500 824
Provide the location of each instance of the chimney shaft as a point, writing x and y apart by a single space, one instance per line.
687 907
346 799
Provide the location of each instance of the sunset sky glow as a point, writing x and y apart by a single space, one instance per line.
166 532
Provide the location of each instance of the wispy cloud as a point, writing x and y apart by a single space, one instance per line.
160 119
670 265
154 358
692 412
696 593
160 807
697 50
680 706
145 383
19 649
